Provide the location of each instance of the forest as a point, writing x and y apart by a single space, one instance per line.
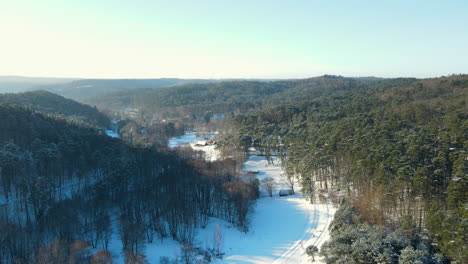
395 155
390 152
66 187
194 100
233 132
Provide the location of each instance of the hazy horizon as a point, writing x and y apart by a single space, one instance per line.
224 78
227 78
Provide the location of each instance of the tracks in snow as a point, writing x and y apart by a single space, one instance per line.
297 251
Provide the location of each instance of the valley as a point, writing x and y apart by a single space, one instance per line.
234 132
348 175
280 227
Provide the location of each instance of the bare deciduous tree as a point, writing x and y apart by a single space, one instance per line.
268 184
289 180
188 254
132 258
218 239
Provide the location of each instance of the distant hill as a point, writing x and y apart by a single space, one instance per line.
86 89
235 96
50 103
16 84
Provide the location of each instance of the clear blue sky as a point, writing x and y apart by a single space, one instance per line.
233 39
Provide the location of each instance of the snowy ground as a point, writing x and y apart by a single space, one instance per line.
111 133
191 139
280 227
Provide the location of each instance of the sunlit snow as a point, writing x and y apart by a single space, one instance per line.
280 227
111 133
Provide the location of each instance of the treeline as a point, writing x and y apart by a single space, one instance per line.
397 151
46 102
157 133
233 96
66 187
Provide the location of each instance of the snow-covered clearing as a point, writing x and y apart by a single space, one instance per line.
192 139
280 227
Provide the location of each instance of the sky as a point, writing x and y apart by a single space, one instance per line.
233 39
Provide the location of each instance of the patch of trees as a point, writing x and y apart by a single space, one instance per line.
152 134
397 151
353 240
63 181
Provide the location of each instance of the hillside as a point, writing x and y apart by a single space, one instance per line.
394 157
235 96
46 102
16 84
85 90
70 189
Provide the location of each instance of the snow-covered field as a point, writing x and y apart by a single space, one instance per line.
280 227
192 139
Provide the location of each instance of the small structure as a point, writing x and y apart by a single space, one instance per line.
201 143
253 172
285 192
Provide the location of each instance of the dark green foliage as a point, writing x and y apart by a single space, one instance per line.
357 242
234 96
394 149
